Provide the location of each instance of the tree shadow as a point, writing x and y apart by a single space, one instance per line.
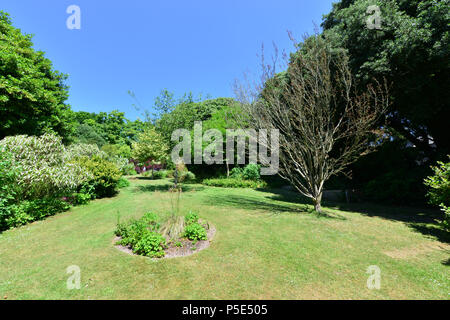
446 262
258 204
421 220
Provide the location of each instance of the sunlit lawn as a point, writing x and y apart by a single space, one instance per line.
267 246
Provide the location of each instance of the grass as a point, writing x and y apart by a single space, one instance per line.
268 245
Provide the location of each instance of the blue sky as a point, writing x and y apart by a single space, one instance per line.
147 45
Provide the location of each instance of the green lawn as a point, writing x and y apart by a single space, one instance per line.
267 246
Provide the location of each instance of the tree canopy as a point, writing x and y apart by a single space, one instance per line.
32 92
412 52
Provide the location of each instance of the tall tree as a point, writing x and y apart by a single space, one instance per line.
32 93
411 49
323 119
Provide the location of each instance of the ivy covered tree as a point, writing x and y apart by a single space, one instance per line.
32 93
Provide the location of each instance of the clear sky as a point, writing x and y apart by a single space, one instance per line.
147 45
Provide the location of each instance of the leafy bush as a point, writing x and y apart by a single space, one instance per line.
32 210
234 183
123 183
141 235
151 219
187 176
195 231
191 217
45 168
151 244
105 175
129 169
439 192
236 173
158 174
251 172
8 187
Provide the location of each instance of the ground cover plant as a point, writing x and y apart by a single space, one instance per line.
146 236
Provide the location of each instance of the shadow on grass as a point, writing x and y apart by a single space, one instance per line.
422 220
252 203
446 262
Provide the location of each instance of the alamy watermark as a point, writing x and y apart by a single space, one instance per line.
374 20
74 280
74 20
374 280
262 147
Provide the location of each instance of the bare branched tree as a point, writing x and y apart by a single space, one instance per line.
324 120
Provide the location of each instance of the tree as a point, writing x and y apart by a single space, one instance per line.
411 50
150 146
32 93
324 121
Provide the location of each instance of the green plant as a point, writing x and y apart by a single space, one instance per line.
251 172
195 231
234 183
8 187
105 175
151 219
439 189
46 170
187 176
178 244
123 183
151 244
160 174
236 173
191 217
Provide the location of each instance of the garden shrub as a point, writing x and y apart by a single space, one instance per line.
234 183
439 189
45 170
251 172
8 188
105 175
195 231
141 235
190 218
187 176
123 183
151 244
236 173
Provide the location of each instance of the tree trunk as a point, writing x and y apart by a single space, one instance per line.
317 203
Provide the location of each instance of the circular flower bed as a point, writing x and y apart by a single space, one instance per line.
175 237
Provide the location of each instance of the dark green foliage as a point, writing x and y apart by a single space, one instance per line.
234 183
195 231
251 172
32 93
411 51
236 172
32 210
84 133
